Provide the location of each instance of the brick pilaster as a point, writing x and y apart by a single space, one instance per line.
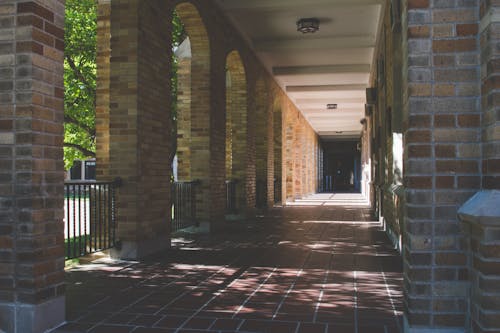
31 166
490 69
441 162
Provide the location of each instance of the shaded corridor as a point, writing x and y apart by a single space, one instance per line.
298 269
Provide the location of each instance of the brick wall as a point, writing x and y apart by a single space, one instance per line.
441 162
490 65
31 165
386 119
298 137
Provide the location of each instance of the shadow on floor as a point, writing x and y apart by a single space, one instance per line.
297 269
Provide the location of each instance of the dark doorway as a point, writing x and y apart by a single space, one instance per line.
341 165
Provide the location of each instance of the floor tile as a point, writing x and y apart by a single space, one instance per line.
295 269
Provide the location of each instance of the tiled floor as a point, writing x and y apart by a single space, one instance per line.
299 270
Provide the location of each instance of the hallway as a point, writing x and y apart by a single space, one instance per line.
295 269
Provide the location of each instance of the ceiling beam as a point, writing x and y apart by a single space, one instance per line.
335 113
334 132
328 69
326 88
266 4
327 120
332 43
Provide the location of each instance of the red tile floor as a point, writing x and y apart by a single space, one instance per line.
300 269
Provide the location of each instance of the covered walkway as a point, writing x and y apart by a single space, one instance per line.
296 269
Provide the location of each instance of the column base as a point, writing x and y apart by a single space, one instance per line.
134 250
30 318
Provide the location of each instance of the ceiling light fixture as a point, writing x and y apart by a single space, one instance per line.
331 106
308 25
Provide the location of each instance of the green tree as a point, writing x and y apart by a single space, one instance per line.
80 80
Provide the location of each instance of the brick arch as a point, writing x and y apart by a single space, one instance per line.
236 128
193 140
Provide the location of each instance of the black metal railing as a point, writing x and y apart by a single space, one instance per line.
231 205
184 205
277 190
89 217
261 194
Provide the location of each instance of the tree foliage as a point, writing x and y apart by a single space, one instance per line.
80 80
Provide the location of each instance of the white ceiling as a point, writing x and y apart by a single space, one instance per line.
331 66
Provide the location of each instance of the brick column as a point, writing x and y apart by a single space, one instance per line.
139 124
441 162
490 70
278 133
199 134
31 164
240 130
288 152
481 224
102 89
261 140
270 150
481 214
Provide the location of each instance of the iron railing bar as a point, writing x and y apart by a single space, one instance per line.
90 217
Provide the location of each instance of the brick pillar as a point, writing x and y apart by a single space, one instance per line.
481 214
197 145
278 129
102 89
481 224
490 56
441 162
184 118
261 140
240 154
270 150
288 152
139 124
31 164
250 169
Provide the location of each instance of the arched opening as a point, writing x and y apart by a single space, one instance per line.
192 85
236 133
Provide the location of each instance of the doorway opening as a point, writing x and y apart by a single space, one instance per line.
342 167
